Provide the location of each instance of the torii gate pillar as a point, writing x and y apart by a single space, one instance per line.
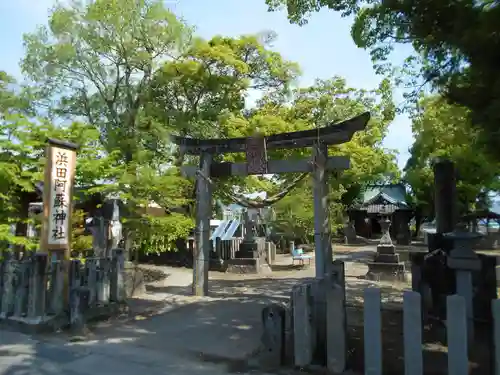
319 139
322 241
202 231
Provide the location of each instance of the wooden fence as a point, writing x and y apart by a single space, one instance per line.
50 293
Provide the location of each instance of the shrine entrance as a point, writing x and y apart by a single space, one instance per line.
257 164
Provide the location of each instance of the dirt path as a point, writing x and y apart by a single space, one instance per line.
226 328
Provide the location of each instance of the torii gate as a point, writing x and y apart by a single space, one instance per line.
257 163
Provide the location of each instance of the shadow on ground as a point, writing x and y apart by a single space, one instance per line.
225 329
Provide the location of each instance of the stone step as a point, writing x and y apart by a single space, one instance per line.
386 249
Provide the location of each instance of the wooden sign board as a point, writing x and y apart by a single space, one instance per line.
58 196
256 153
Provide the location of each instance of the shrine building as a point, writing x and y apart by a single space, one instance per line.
382 201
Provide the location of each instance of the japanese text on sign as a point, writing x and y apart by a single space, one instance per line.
256 155
60 196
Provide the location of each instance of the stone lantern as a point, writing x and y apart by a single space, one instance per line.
386 265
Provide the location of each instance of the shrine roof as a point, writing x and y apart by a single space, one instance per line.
392 193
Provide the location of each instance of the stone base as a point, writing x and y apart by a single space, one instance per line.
54 323
217 264
247 250
358 240
134 280
386 249
404 240
45 324
247 266
379 271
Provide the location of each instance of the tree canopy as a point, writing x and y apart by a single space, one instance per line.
457 45
119 77
444 130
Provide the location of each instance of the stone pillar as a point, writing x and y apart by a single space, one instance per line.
248 248
336 320
402 221
201 259
103 281
56 291
269 254
98 230
117 289
218 248
92 278
273 336
8 291
37 287
323 250
386 265
23 274
464 261
302 330
350 237
445 195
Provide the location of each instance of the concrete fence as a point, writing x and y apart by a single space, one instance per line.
456 333
40 293
315 322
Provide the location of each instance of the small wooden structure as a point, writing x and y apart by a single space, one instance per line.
378 202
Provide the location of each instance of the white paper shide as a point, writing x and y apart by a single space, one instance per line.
60 196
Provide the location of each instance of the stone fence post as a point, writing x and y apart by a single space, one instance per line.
38 286
464 260
117 287
8 292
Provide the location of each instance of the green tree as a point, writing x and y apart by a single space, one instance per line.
96 61
202 94
444 130
211 80
457 45
22 161
326 102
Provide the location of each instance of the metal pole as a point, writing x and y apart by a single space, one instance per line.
201 253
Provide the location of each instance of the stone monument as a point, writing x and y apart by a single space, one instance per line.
386 265
248 248
402 219
350 237
464 261
98 231
249 258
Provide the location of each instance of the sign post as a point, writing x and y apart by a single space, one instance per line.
58 198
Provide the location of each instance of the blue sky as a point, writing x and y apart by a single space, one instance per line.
323 48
